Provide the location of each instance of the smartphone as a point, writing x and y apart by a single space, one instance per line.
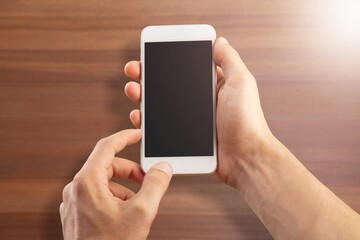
178 83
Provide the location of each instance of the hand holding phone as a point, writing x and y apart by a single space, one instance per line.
241 127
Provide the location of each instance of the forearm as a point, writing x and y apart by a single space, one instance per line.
289 200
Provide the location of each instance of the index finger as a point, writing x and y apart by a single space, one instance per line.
103 154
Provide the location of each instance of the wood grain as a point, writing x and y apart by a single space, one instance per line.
61 89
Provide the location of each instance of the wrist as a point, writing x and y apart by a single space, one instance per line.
256 165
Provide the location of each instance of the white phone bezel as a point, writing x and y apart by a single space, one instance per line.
169 33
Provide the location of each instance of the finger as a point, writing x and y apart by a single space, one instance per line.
133 91
133 70
219 74
155 184
104 152
126 169
135 117
226 57
120 191
220 78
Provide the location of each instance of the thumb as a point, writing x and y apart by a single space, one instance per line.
226 57
155 184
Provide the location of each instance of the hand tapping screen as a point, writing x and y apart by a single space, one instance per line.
178 99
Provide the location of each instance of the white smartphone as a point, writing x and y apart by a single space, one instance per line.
178 81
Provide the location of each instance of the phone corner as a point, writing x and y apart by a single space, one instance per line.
211 30
211 166
214 166
145 31
143 168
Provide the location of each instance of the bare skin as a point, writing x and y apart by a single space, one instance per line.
95 207
285 196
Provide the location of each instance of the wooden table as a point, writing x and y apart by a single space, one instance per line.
61 89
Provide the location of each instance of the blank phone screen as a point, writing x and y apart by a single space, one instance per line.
178 99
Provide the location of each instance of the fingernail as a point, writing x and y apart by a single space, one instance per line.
165 167
223 40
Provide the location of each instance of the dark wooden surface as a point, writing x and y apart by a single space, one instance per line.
61 89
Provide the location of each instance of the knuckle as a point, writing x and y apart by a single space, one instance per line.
103 142
65 192
245 79
61 207
140 209
156 179
79 185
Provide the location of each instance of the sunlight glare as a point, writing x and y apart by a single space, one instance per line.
344 18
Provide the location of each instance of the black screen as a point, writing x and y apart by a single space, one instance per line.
178 99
